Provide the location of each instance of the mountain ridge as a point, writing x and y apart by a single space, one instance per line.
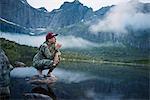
72 18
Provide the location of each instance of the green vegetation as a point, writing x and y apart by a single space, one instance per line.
122 54
17 52
23 53
106 55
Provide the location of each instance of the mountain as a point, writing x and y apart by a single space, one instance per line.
7 26
43 9
134 38
69 13
21 13
102 12
142 7
72 18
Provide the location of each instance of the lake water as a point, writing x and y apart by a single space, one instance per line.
86 81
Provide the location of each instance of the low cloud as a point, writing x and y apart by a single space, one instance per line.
122 17
75 42
36 41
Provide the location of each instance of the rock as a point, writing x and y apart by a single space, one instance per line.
49 80
19 64
44 89
5 68
4 93
36 96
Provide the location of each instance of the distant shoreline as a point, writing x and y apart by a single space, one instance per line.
105 62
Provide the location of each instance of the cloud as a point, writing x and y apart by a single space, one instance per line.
36 41
121 17
24 39
75 42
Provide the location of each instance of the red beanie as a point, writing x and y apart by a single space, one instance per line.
50 35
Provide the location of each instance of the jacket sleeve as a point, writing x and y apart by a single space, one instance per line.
46 52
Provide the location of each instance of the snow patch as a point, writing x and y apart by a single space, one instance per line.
9 22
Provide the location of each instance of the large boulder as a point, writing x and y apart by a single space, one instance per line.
5 68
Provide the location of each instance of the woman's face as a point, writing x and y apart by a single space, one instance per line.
52 40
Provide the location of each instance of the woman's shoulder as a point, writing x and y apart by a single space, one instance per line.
44 44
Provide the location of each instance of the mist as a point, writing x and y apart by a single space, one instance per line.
63 75
122 17
75 42
36 41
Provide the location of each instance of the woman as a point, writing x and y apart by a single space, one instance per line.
48 55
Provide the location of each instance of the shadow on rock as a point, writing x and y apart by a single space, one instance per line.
41 92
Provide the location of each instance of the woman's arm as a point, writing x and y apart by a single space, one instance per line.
46 52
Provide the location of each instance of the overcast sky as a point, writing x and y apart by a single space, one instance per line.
95 4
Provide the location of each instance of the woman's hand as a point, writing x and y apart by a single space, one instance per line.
58 46
55 62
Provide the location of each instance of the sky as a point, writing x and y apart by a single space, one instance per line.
95 4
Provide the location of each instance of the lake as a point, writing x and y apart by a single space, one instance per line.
86 81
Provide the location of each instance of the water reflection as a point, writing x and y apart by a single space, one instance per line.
83 82
46 90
